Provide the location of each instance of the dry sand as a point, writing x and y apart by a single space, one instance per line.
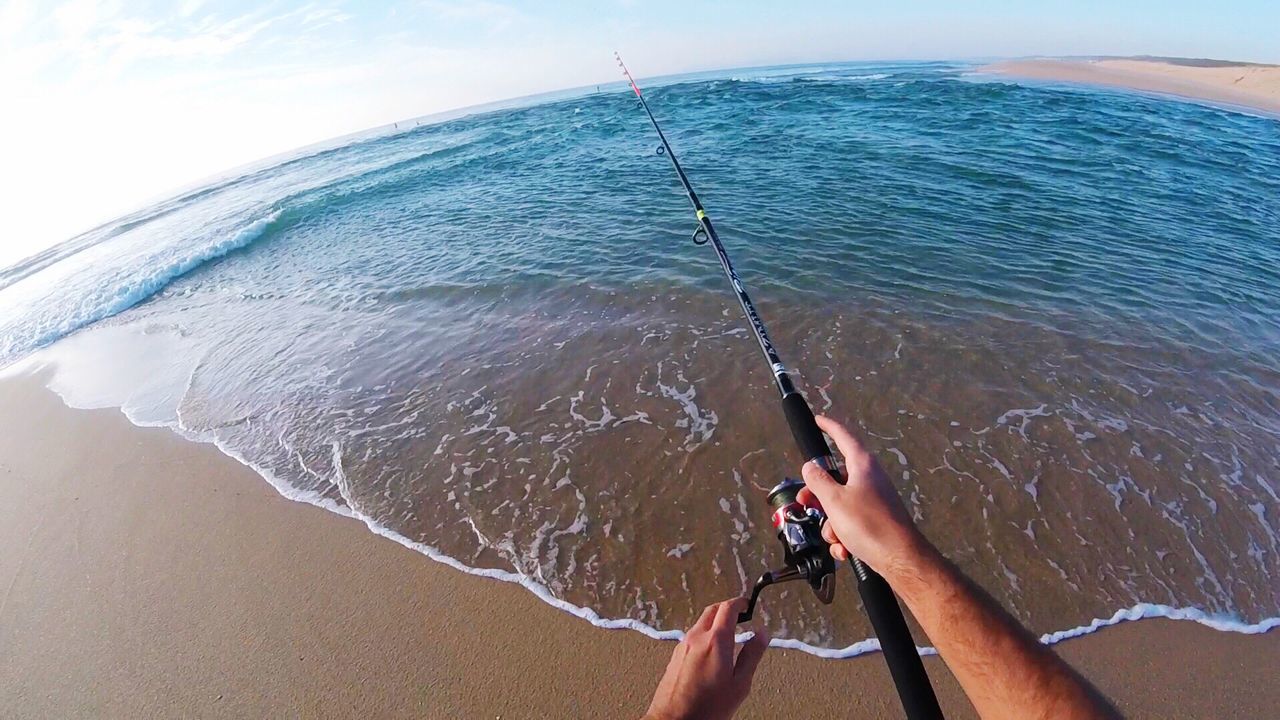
146 576
1245 85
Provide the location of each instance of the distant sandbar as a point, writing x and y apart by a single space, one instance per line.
1241 84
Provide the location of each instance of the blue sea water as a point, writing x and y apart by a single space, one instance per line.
1054 310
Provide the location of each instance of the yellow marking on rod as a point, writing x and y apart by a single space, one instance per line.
702 214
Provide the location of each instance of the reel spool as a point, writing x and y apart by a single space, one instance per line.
806 555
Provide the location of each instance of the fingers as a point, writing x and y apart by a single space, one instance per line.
850 447
704 620
839 552
829 533
819 481
726 619
806 497
723 627
716 626
749 658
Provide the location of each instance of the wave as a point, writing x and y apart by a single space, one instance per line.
32 264
146 277
824 76
1140 611
1137 612
114 298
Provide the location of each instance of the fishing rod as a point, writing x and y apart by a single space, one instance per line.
806 554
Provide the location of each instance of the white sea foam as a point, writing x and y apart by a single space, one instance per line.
71 395
807 75
1136 612
862 647
680 550
124 291
1153 610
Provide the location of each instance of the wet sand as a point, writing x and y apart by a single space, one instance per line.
1242 84
149 576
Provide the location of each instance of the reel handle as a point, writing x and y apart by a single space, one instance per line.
769 578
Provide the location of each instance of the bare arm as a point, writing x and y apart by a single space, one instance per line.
1004 670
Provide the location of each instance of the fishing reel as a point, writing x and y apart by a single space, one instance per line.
806 555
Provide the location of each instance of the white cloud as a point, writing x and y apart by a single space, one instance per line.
190 7
493 16
75 19
317 17
15 16
106 108
132 41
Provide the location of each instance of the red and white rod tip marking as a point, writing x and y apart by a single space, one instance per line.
627 73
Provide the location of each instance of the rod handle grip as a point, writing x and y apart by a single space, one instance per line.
900 654
804 429
905 666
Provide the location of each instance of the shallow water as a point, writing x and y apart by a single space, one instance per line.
1052 310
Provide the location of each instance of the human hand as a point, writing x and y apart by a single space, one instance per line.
865 516
702 680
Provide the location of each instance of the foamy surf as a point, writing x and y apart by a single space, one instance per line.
122 292
67 392
1137 612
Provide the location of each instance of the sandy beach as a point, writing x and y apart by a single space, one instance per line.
1241 84
150 576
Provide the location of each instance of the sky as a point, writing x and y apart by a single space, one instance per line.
107 105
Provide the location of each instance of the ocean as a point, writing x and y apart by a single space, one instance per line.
1054 312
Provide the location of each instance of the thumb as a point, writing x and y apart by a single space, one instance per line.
818 480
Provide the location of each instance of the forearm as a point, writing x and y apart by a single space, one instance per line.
1004 670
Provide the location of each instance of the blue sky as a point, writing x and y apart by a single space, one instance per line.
109 103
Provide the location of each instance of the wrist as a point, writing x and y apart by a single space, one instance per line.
909 561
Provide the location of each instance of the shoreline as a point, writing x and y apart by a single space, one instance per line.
1236 85
1139 611
157 574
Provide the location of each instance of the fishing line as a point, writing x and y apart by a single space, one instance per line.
806 554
